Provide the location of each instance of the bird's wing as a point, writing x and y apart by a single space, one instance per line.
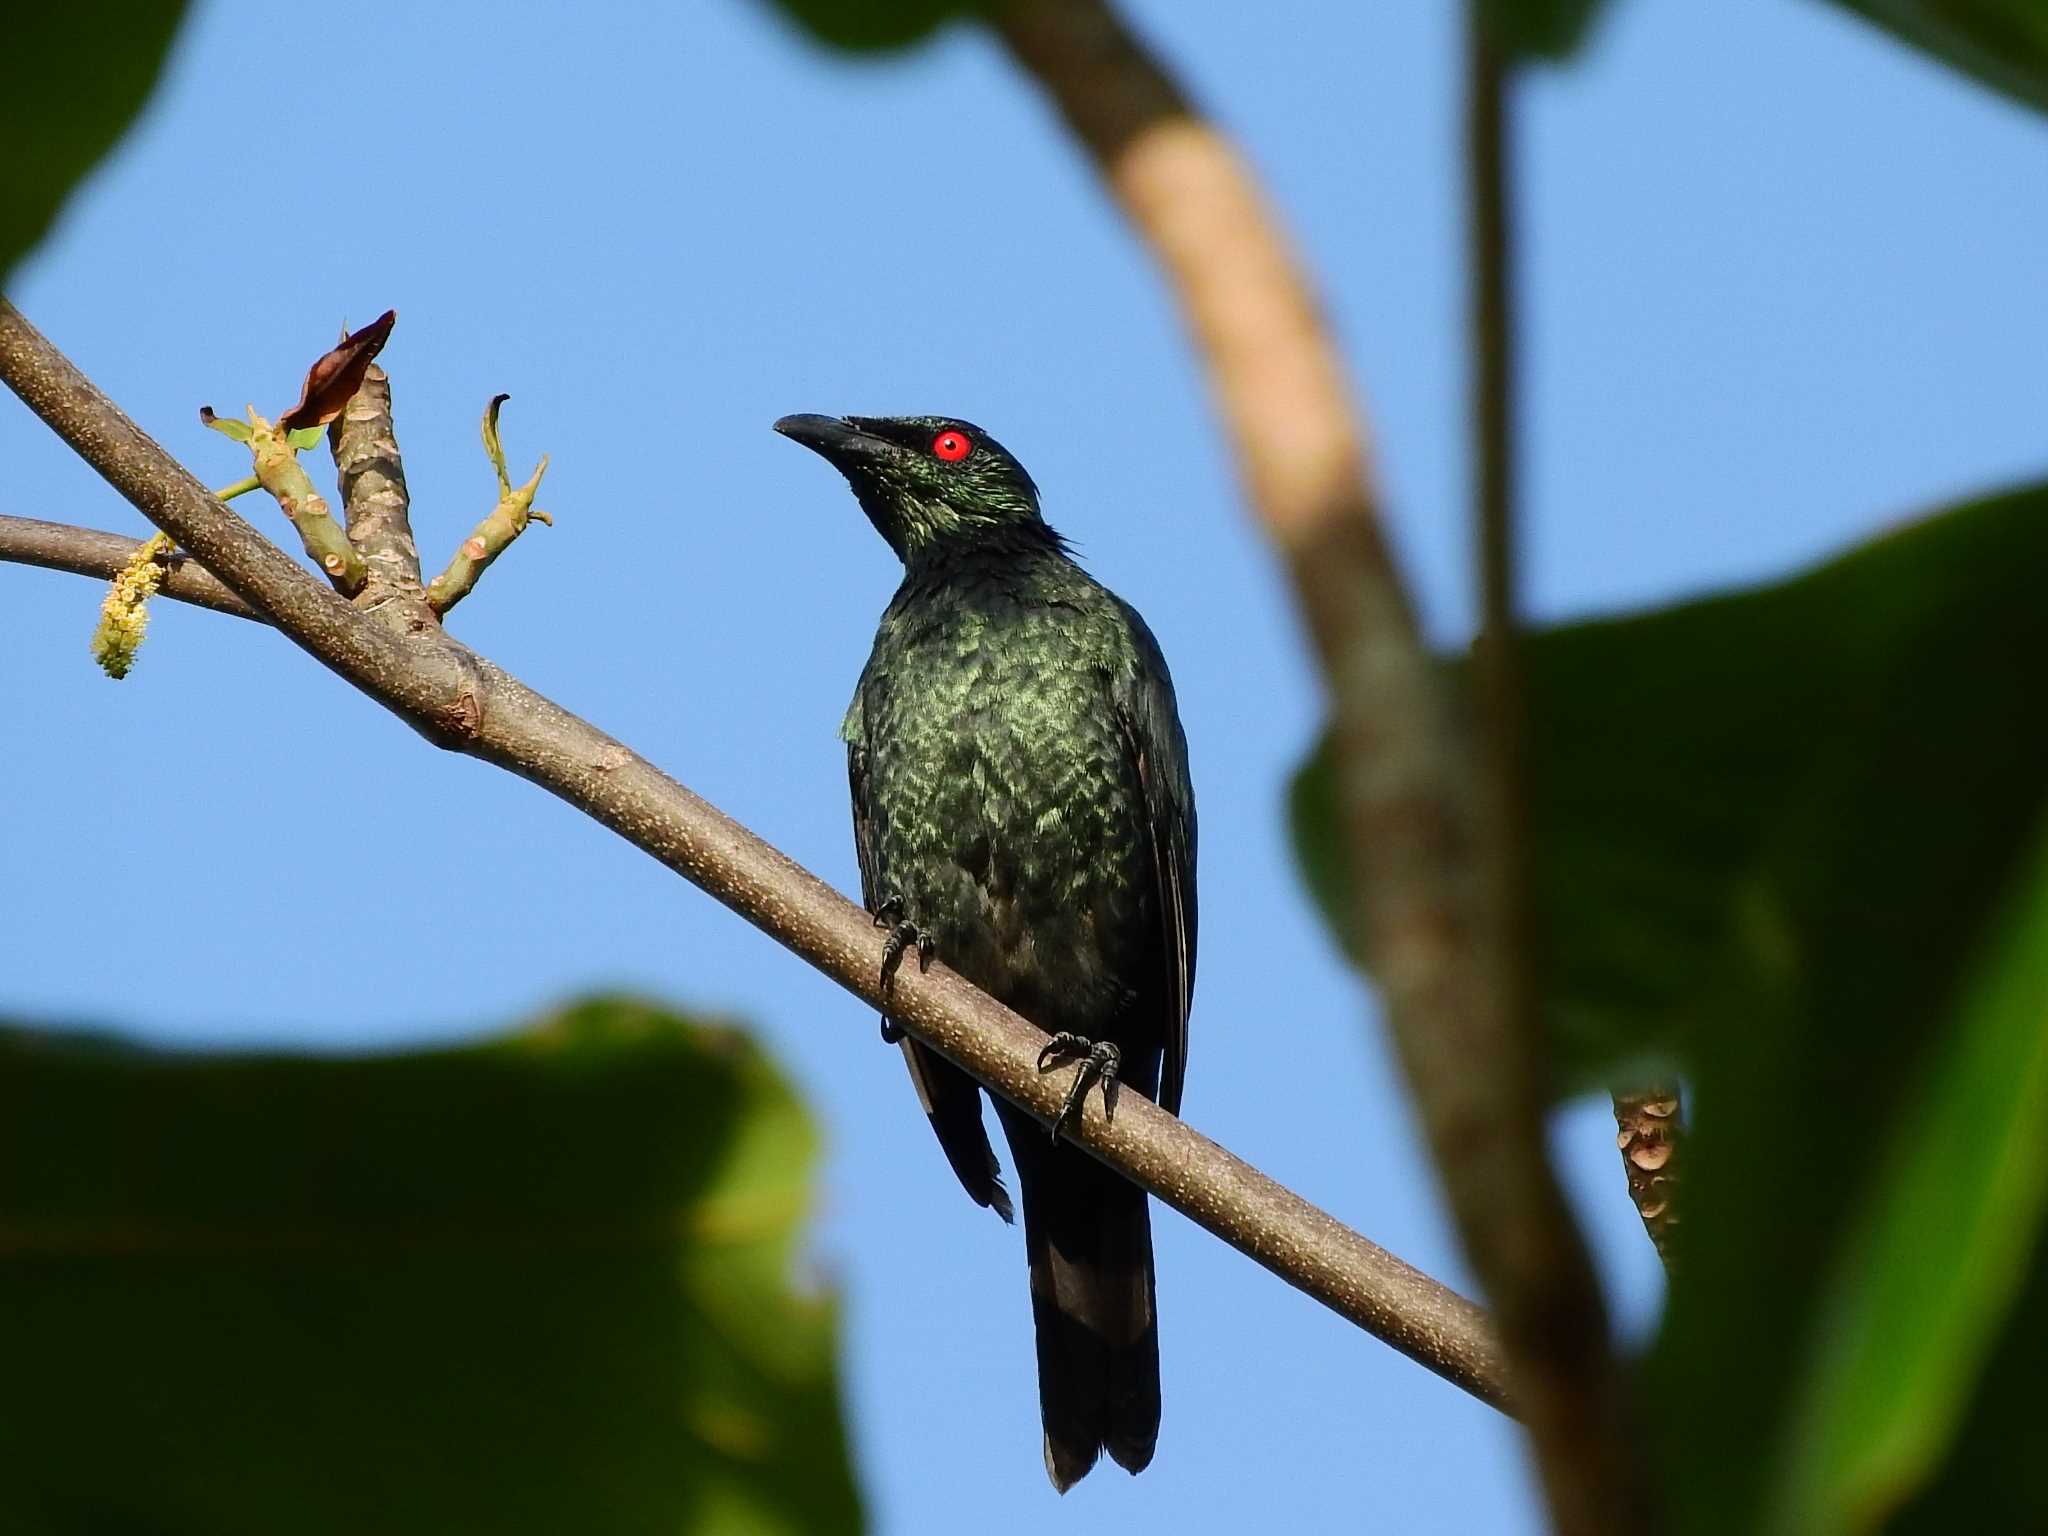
1159 752
951 1098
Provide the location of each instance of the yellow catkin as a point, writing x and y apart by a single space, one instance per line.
124 616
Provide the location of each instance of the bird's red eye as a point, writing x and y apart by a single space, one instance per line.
952 446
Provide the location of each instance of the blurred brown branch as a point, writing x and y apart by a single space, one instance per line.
1592 1475
1475 1068
460 701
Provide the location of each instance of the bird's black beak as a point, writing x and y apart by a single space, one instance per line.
840 442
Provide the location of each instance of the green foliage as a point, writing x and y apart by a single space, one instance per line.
870 25
70 83
1549 29
1788 838
1994 1471
2004 43
1962 1174
540 1284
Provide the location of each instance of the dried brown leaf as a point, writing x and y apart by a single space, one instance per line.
337 376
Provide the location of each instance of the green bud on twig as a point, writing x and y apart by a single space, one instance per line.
507 520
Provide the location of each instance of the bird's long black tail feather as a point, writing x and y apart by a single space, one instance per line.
953 1101
1088 1236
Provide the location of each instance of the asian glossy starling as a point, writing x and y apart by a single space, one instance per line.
1021 808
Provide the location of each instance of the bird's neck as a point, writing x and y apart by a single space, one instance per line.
1019 548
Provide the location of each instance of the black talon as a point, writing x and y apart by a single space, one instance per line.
1100 1061
903 935
1060 1047
894 914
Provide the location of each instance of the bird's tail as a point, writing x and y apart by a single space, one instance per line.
1088 1236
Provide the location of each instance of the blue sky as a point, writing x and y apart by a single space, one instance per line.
1782 285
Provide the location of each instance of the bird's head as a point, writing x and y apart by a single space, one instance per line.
928 483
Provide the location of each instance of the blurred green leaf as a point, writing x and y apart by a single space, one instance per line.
2004 43
1679 752
1549 29
1964 1178
70 83
1992 1480
1779 836
541 1284
869 25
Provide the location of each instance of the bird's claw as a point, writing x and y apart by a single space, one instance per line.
903 935
1100 1061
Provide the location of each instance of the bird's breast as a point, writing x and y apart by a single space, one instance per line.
1006 808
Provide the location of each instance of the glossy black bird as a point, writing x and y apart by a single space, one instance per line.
1021 808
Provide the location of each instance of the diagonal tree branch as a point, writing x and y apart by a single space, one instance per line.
1402 786
462 702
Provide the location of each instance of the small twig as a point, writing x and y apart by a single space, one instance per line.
505 522
1503 755
364 442
278 468
1551 1309
61 547
462 702
276 452
1651 1137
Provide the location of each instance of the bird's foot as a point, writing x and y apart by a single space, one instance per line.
904 935
1100 1061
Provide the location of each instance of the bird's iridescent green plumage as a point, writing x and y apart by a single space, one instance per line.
1020 788
1003 796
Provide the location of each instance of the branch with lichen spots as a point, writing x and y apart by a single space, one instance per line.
507 520
377 506
460 701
